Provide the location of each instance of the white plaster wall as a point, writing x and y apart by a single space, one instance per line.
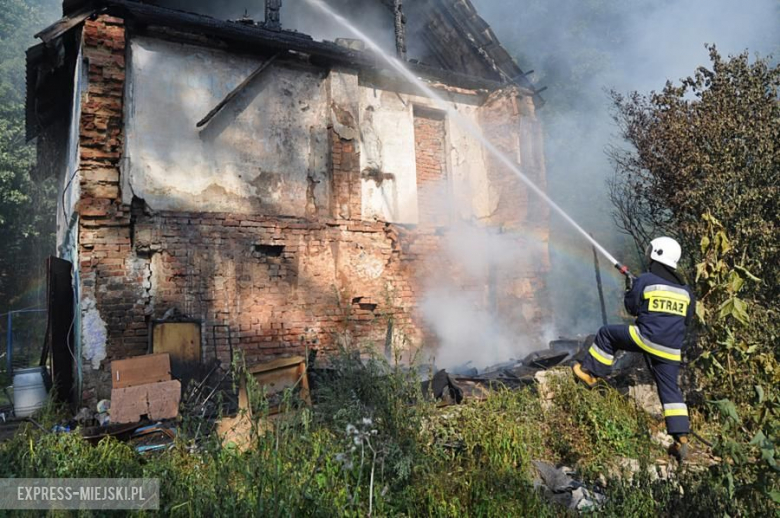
261 153
387 142
69 182
468 168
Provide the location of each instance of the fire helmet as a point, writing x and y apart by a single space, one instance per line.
665 250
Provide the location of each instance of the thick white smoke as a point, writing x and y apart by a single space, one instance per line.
464 281
580 50
468 328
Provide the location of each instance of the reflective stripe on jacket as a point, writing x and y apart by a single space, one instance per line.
663 310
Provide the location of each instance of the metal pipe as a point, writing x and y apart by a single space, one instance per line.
599 286
9 343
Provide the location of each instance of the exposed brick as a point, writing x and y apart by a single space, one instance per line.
429 138
282 285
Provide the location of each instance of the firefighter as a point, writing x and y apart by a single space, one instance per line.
664 307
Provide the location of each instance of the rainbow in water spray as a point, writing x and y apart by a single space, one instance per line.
465 124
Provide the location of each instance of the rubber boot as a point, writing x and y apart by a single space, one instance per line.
679 449
584 376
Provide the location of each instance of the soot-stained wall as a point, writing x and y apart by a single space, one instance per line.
262 153
306 263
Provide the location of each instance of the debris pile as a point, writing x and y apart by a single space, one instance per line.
558 486
468 381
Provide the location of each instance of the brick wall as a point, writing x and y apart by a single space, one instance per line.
104 233
432 188
346 202
508 120
281 285
500 119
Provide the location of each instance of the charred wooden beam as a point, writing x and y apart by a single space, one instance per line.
65 24
272 19
522 77
400 29
237 90
255 40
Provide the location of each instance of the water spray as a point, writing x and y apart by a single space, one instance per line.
467 125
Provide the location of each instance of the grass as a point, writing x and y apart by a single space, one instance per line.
375 444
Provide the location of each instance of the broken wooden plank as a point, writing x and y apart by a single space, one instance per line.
205 120
140 370
238 432
129 404
278 380
154 400
303 376
65 24
164 400
276 364
282 374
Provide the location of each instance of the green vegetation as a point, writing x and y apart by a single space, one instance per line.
711 143
376 443
704 166
27 204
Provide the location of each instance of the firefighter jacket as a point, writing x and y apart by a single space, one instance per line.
663 307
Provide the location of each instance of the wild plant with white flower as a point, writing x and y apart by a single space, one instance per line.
359 438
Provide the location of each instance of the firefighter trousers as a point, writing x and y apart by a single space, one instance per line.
601 355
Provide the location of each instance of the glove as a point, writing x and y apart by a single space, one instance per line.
629 282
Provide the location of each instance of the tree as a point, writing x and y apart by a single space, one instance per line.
27 208
711 143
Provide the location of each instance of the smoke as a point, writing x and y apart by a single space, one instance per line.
372 17
468 301
580 50
459 304
467 331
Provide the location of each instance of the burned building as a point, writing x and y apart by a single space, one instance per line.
275 193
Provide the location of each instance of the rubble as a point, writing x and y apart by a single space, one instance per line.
140 370
94 434
237 432
153 437
627 468
277 379
468 380
560 488
282 374
445 389
543 385
154 400
646 397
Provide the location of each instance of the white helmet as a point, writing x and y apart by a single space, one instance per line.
665 250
